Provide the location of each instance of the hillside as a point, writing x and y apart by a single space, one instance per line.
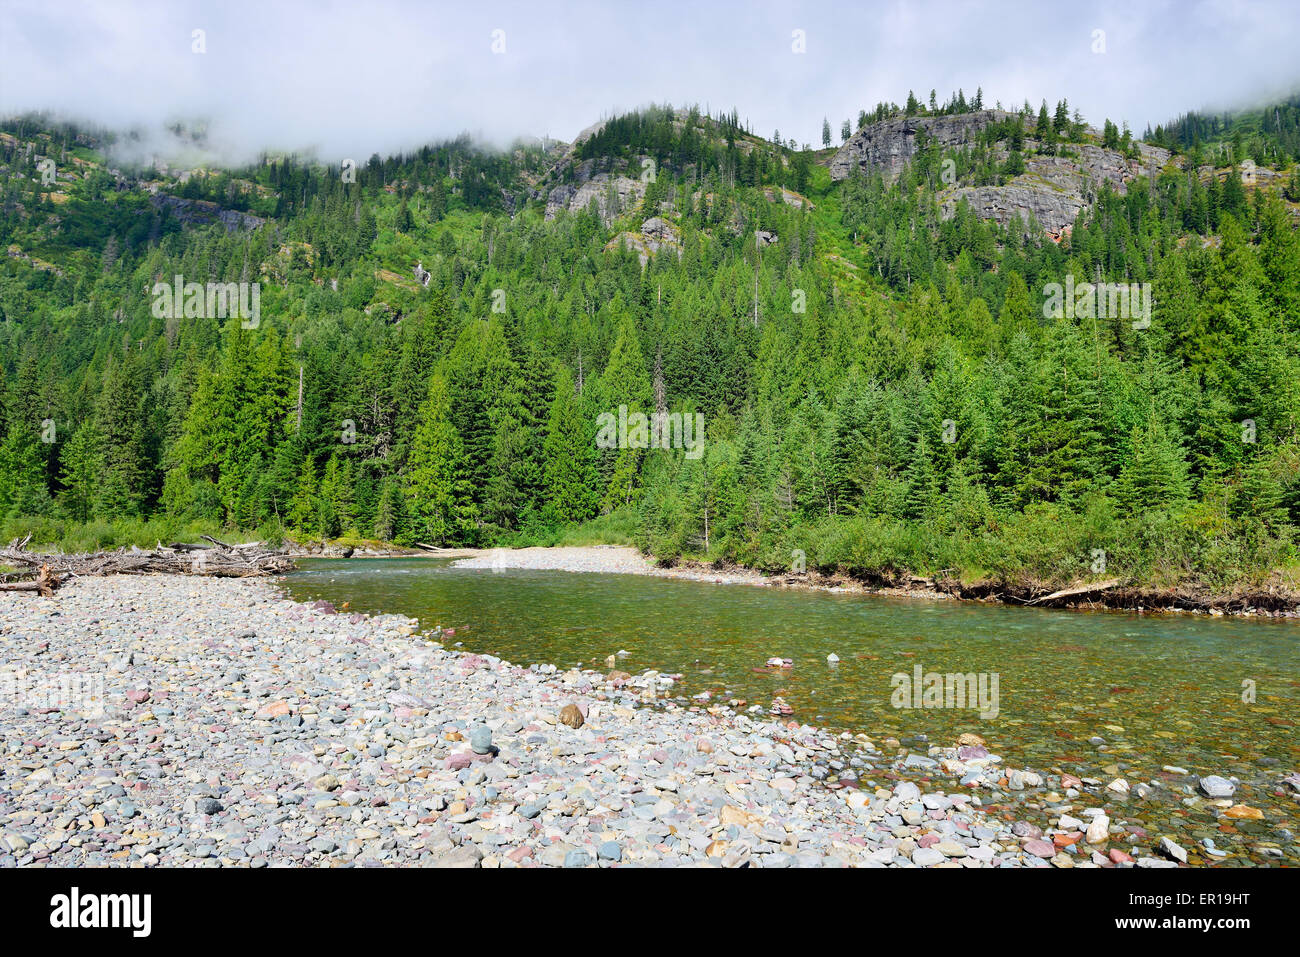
862 330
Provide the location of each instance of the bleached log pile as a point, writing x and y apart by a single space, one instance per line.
44 572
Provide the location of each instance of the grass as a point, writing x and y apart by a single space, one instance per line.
105 535
617 528
66 535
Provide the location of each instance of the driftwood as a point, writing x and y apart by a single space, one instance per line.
48 571
44 583
1076 590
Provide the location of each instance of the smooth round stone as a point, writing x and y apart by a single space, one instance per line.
927 857
1040 848
577 859
480 739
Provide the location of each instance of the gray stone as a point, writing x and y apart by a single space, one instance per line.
1217 787
1170 849
480 739
927 856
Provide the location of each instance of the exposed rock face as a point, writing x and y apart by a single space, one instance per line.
787 196
1056 189
656 233
659 233
201 212
613 192
1053 190
1055 212
889 145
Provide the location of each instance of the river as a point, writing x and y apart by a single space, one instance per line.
1208 695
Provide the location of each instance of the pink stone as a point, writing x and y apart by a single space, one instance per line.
459 761
274 709
1040 848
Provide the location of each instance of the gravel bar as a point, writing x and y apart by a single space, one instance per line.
199 722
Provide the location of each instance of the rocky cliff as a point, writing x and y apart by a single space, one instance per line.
889 145
613 191
1053 190
201 212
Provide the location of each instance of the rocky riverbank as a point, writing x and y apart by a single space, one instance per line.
625 560
182 721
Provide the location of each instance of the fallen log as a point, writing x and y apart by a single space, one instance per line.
1076 590
218 560
45 588
44 583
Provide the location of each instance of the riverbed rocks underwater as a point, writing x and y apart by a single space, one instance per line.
190 722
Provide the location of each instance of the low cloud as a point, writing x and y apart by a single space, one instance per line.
350 79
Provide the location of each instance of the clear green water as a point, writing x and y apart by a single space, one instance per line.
1171 685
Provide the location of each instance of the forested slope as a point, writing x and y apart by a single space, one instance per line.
439 334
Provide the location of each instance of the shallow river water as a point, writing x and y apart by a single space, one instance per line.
1209 695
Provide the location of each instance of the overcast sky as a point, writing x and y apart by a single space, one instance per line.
347 79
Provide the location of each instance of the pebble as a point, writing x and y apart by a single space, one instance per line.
1215 786
1098 829
1171 849
927 856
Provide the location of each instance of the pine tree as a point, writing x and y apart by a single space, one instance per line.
1017 311
623 384
119 421
302 507
438 494
569 455
23 488
83 468
1155 474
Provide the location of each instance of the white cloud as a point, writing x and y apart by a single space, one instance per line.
351 78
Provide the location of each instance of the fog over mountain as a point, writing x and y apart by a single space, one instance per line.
349 79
